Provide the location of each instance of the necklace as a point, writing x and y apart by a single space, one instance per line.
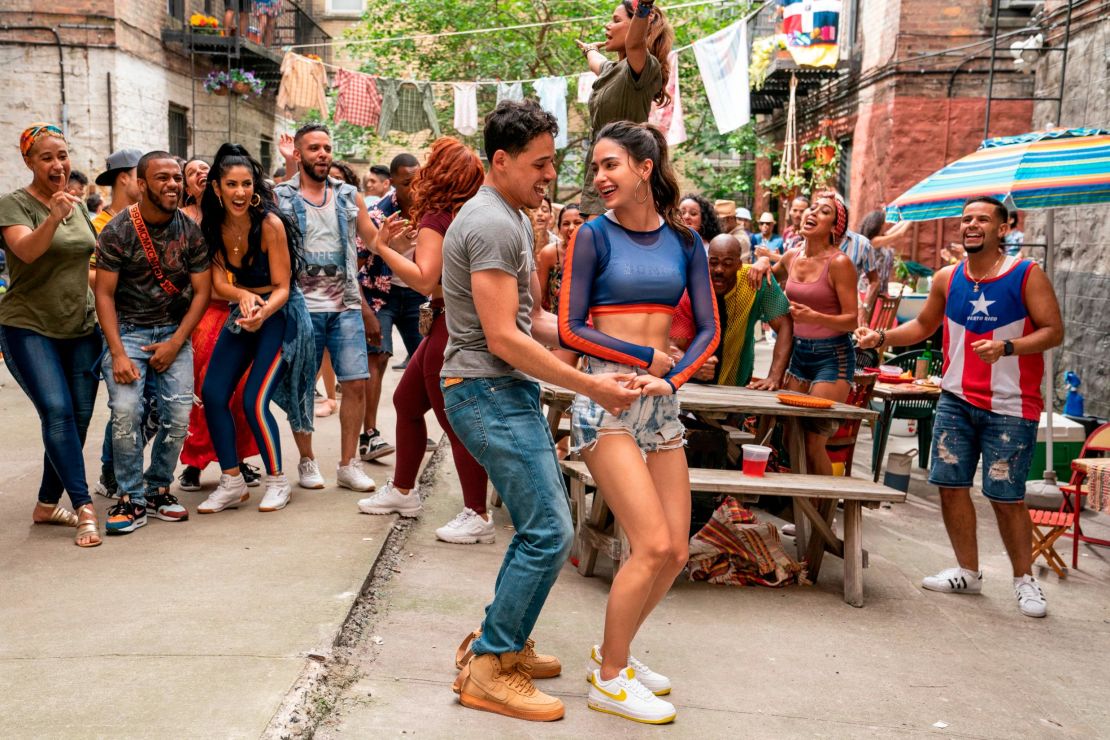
322 202
967 269
238 239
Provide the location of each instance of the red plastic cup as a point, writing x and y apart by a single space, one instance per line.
755 460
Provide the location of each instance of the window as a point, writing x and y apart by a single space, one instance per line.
346 7
266 153
179 131
844 172
176 9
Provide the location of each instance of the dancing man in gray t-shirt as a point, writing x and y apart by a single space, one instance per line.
492 300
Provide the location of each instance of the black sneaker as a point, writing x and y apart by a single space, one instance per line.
107 486
371 446
125 517
163 505
250 475
189 479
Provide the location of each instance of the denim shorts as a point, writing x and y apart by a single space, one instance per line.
823 360
962 432
652 421
343 335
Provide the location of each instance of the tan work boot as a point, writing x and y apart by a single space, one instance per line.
531 662
493 683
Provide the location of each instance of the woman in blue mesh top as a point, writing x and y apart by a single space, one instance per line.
627 270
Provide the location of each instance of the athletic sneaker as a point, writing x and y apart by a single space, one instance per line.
189 480
277 493
250 475
107 486
371 446
1030 597
468 528
308 474
353 476
125 517
162 505
955 581
495 683
391 501
656 683
231 492
626 697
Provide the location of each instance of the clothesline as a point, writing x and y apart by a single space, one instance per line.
492 29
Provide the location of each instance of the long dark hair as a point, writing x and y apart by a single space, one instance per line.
872 224
644 141
212 210
710 223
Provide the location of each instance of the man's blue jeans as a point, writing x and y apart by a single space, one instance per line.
503 426
174 392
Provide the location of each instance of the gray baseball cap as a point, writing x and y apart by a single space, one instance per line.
117 161
741 213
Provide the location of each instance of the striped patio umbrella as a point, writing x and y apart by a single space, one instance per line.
1045 169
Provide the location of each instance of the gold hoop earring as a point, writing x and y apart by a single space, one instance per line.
637 189
256 200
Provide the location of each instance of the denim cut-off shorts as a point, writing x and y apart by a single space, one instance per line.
823 360
652 421
962 433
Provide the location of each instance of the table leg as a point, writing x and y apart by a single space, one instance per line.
853 553
794 439
815 550
882 432
555 411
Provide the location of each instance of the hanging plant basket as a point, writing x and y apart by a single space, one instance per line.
823 155
221 90
240 88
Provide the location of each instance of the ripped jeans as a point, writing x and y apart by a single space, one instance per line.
173 389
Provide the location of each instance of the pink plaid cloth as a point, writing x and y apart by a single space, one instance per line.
359 101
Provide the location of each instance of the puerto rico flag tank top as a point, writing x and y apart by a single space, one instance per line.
995 309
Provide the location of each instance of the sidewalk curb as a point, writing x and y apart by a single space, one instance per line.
314 694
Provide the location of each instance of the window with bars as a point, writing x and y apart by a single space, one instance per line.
176 9
266 152
844 172
179 131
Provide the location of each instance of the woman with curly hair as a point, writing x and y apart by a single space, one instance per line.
641 37
699 215
451 176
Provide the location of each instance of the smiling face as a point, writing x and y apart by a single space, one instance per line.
49 163
690 212
163 184
982 227
571 220
196 177
523 179
543 216
313 154
616 30
819 219
619 179
236 189
376 185
725 261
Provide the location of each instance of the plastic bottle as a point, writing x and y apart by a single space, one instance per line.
924 362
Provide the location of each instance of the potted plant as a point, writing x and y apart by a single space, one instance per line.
784 185
823 149
245 83
217 82
201 23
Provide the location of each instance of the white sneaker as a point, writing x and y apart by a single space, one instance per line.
656 683
277 493
308 473
626 697
1030 597
391 501
468 528
231 492
955 581
352 476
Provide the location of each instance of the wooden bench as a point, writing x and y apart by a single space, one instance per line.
814 496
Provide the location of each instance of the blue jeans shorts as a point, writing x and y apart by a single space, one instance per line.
962 433
343 335
652 421
823 360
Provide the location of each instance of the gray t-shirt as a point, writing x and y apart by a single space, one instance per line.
487 234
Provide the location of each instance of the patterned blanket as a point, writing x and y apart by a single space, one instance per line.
1098 479
734 548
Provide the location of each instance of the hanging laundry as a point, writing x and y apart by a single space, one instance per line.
586 82
723 63
669 117
466 107
303 86
810 27
552 92
407 107
358 101
509 91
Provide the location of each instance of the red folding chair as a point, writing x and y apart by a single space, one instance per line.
1097 445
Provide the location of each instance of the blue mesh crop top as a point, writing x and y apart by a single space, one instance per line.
611 269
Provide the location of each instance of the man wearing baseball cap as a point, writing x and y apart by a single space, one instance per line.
119 175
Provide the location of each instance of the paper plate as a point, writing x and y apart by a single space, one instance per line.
804 401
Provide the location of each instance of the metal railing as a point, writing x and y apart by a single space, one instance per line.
294 26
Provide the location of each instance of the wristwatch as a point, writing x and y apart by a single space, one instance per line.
1007 348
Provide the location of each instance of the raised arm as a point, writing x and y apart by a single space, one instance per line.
635 43
704 304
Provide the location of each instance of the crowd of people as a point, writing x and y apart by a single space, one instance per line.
204 292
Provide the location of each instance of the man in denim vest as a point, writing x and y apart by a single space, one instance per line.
330 213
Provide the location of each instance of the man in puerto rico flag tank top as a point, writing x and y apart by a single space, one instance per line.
1000 315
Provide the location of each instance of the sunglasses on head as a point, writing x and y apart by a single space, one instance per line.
315 270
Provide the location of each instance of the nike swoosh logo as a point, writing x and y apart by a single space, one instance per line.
619 696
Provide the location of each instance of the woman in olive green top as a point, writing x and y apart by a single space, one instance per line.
641 37
48 330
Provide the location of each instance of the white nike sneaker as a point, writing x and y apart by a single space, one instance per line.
278 492
308 474
231 492
1030 597
656 683
468 528
352 476
391 501
626 697
955 581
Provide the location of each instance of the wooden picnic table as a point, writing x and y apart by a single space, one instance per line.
891 394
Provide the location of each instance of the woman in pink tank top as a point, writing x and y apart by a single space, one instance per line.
820 282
